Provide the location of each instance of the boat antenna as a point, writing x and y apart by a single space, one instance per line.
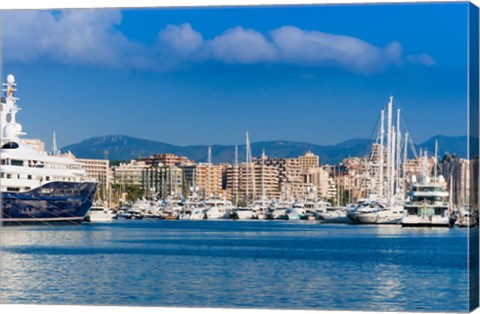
435 161
54 145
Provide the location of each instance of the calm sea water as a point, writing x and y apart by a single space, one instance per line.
292 265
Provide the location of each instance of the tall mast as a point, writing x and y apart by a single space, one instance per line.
171 180
382 135
252 171
405 156
215 192
236 156
389 146
262 182
209 155
247 166
193 179
435 162
236 176
399 147
450 196
392 170
209 160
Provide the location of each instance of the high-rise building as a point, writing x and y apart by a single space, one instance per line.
205 178
164 181
129 173
166 160
247 182
308 160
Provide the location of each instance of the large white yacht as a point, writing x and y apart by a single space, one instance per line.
427 204
36 186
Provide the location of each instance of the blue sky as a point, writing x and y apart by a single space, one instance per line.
319 74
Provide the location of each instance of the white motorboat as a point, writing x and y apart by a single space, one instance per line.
278 210
99 213
332 215
197 214
245 213
218 209
379 214
466 219
298 211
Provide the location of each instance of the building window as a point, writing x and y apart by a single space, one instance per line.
16 162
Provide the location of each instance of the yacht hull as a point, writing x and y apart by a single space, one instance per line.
54 202
246 215
418 221
338 217
104 216
379 219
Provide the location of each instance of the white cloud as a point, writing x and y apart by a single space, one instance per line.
92 37
422 59
239 45
72 36
316 48
182 39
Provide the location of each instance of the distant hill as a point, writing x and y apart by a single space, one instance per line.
121 147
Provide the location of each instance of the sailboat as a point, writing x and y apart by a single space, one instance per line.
217 208
258 208
387 207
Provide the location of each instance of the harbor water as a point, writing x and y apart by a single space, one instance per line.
248 264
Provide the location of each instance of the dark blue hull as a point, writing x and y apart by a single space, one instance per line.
52 202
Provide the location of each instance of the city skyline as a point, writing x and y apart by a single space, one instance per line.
190 81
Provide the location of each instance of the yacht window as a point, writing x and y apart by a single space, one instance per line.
47 178
9 176
29 177
10 189
16 162
4 162
10 145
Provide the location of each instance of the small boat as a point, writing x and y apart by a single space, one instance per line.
99 213
466 219
332 215
278 210
245 213
297 211
197 214
191 208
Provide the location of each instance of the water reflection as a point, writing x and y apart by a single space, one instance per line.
225 264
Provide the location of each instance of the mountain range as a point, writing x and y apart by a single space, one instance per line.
121 147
